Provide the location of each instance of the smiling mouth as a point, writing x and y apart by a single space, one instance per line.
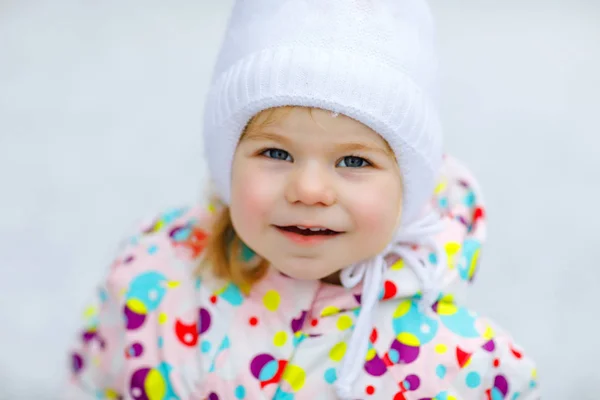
304 231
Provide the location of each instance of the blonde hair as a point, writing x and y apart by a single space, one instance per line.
224 254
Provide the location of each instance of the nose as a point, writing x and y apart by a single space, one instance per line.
310 184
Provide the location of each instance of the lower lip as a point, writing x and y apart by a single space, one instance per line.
306 240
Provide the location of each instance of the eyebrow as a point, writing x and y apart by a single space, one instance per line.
349 146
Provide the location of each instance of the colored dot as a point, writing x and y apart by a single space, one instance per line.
329 310
128 259
440 371
330 375
152 249
280 338
314 322
205 346
473 379
240 392
213 299
162 318
160 342
373 336
344 322
433 258
397 265
338 351
370 390
441 348
253 321
496 363
394 356
371 353
271 300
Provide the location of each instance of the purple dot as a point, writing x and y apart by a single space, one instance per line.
375 366
489 345
76 363
501 384
136 350
204 320
413 382
298 322
213 396
407 353
128 259
258 363
134 320
137 384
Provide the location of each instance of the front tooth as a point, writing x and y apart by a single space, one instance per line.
316 229
301 227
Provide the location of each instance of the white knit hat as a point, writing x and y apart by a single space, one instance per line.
372 60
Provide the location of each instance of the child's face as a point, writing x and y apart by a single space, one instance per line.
310 168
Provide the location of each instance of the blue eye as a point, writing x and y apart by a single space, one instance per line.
277 154
354 162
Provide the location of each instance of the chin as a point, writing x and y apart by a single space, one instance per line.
305 271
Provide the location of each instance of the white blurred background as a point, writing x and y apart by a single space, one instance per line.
100 124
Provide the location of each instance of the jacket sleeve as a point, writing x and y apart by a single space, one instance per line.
498 370
97 356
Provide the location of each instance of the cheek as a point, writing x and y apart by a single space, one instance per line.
252 198
376 210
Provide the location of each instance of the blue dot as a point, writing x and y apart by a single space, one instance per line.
406 384
496 394
470 199
160 342
443 202
152 249
516 396
268 371
440 371
240 392
330 375
205 346
394 356
532 384
433 258
473 380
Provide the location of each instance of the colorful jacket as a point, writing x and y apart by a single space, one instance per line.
160 330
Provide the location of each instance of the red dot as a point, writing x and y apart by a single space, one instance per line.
314 322
370 390
253 321
496 363
373 335
213 299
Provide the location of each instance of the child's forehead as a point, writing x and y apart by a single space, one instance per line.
294 122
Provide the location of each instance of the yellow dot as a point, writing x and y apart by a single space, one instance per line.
295 376
447 298
447 309
408 339
329 310
162 318
90 312
441 348
452 398
402 309
271 300
136 306
338 351
172 284
489 333
370 354
397 265
534 373
452 248
96 361
344 322
280 338
155 385
440 187
111 394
